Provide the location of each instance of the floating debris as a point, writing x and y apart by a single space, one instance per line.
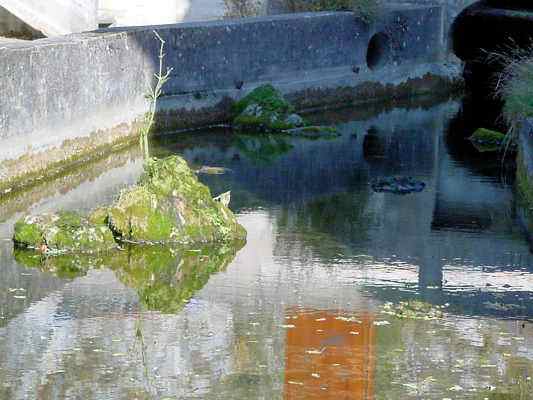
315 351
413 309
398 185
295 383
207 170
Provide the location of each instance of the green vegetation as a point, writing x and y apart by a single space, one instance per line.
486 140
413 309
153 95
168 205
265 110
62 232
487 136
515 83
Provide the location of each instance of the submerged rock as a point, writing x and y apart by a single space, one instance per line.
398 185
265 110
168 205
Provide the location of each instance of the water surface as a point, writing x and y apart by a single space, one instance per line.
308 309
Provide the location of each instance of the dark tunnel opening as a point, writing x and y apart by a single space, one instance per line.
479 36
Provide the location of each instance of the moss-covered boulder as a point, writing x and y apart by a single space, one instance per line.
486 140
170 205
62 232
265 110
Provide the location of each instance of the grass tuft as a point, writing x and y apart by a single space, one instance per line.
515 82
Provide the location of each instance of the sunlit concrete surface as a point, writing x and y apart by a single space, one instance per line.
54 17
142 12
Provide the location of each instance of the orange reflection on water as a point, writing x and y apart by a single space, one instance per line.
329 355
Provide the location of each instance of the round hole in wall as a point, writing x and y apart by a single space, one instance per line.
379 51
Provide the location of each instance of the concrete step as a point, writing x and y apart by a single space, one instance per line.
55 17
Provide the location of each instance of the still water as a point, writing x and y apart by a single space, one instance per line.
311 307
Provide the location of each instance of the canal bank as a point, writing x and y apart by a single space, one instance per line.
66 99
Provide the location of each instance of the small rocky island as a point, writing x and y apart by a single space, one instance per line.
167 206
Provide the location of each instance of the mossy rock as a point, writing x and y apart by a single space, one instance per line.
170 205
62 232
487 137
265 110
268 97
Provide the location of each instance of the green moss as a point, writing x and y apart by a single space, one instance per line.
28 234
267 97
62 232
524 186
168 205
99 216
487 137
518 91
264 110
171 205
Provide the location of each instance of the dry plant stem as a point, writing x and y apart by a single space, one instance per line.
153 95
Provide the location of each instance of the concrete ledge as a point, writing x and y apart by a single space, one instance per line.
67 97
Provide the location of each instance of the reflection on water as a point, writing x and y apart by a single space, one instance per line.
298 311
329 356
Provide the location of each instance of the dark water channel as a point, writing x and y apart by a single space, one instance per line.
309 308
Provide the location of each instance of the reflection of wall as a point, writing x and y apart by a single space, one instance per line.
328 356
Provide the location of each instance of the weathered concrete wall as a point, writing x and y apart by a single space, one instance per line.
525 177
13 27
64 97
55 17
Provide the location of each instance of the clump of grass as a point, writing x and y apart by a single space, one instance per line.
515 81
514 85
154 92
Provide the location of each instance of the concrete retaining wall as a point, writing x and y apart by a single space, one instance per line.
66 97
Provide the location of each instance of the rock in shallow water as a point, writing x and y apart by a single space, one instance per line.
265 110
168 205
398 185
